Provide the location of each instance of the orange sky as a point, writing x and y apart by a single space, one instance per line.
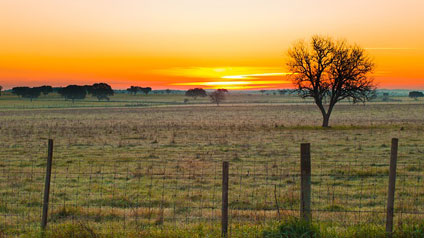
188 43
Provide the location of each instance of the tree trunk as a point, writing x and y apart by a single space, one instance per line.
326 116
325 120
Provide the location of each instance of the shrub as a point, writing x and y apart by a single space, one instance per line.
293 228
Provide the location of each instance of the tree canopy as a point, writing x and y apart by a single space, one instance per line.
196 92
135 89
73 92
101 91
416 94
31 93
218 96
45 89
326 69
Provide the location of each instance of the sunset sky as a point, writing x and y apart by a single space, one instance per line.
235 44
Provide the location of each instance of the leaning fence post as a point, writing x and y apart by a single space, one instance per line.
305 189
224 216
47 185
392 182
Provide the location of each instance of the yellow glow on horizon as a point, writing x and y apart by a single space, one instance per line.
225 83
222 72
253 75
236 85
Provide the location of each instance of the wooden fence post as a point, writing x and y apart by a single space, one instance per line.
305 189
224 216
47 185
392 182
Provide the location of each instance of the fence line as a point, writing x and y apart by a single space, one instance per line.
136 193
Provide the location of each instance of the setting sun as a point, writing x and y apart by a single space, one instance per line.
236 85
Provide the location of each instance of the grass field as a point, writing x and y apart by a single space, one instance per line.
143 166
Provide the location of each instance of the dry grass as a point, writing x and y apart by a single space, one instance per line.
144 166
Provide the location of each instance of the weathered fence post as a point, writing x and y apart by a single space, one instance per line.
47 185
305 184
224 216
392 182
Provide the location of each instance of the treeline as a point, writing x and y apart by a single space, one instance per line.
31 93
135 89
101 91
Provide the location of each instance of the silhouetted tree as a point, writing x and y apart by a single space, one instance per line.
45 89
196 92
135 89
262 91
73 92
168 91
415 94
217 96
19 91
101 91
325 68
32 93
27 92
146 90
1 88
132 90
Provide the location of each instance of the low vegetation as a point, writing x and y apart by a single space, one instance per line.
154 170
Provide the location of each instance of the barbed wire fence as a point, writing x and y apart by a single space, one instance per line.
134 193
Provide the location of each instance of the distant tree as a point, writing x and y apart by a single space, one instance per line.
196 92
27 92
73 92
282 91
385 97
57 89
416 94
168 91
1 88
45 89
19 91
326 68
88 89
217 96
262 91
135 89
32 93
146 90
101 91
132 90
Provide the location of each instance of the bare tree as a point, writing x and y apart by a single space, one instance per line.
328 70
217 96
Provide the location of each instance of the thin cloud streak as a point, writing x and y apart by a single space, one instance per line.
253 75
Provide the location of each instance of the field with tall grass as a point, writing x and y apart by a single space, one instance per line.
150 166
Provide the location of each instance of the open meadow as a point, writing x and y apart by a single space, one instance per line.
141 165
